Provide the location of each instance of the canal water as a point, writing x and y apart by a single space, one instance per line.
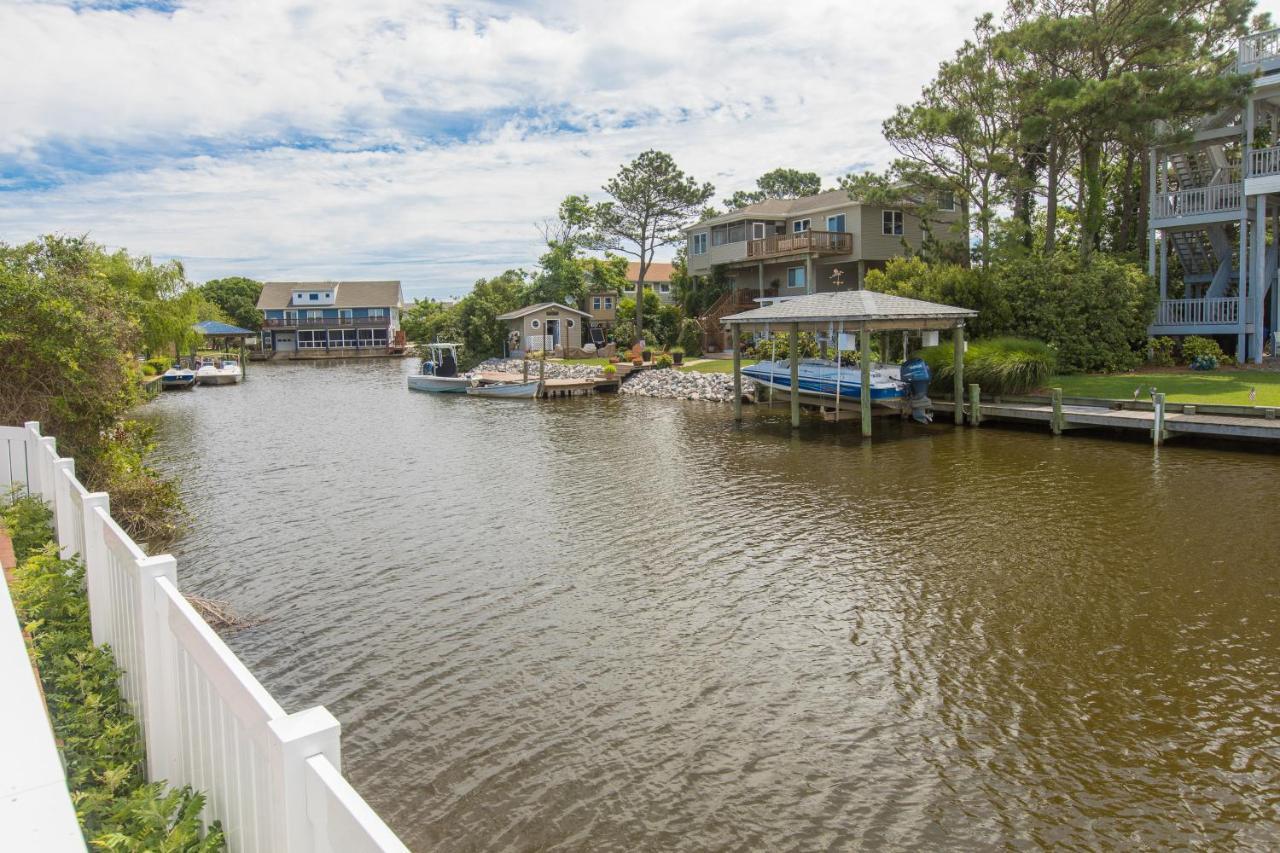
623 624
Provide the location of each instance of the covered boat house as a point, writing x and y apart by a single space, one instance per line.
834 315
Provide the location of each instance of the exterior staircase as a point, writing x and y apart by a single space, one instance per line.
730 302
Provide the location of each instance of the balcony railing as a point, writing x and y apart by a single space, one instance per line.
1219 198
1259 52
289 322
1188 312
1264 161
820 242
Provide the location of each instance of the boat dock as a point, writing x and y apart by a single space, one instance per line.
1157 418
556 387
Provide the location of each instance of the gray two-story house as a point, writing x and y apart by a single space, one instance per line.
793 247
331 317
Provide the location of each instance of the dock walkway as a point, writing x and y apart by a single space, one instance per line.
1240 422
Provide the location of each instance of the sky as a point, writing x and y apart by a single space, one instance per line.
422 141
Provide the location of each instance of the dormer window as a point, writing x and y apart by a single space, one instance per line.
315 297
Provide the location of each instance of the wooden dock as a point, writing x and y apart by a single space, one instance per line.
1157 419
556 387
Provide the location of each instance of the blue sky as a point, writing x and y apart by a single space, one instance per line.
422 141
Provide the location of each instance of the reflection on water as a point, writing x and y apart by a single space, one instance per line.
615 623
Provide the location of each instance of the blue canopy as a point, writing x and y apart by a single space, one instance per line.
213 327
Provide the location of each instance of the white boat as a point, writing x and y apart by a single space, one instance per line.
439 371
177 377
224 371
509 390
899 387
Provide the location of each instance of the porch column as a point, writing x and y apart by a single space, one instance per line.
760 278
957 339
1151 215
793 339
1271 267
737 373
864 395
809 286
1164 265
1242 279
862 273
1259 276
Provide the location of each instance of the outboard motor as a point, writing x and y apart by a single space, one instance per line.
917 375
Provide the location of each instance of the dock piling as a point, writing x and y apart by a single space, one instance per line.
1158 434
1056 423
975 404
864 399
793 352
737 374
957 339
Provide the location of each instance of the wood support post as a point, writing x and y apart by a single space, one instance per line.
1056 420
864 389
737 374
975 405
957 339
1157 430
793 350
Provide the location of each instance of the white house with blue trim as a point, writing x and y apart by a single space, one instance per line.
331 317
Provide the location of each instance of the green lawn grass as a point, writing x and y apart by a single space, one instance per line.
715 365
1225 387
594 362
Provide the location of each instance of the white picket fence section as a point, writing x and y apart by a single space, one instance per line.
273 779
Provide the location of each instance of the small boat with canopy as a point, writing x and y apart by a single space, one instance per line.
438 373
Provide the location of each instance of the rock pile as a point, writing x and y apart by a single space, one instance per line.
554 369
676 385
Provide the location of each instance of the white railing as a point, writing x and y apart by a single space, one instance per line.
1183 312
1264 161
1218 198
273 779
1259 50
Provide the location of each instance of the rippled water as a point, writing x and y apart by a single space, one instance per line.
616 623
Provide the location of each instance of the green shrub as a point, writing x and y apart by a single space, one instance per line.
101 743
1161 352
691 337
664 360
610 370
27 519
998 365
1196 347
947 284
158 365
778 346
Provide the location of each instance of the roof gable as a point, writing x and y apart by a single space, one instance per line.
531 309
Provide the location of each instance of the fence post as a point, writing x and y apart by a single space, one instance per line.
294 739
64 471
95 566
158 682
31 449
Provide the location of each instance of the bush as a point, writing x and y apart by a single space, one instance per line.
999 365
1204 349
101 743
947 284
610 370
158 365
1161 352
779 346
691 337
663 361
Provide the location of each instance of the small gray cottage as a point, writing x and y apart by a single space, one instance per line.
547 325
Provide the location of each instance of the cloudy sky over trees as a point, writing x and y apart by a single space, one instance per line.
422 141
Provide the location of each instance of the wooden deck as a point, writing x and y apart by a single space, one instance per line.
1234 422
554 387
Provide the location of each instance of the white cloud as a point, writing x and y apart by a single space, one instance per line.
195 122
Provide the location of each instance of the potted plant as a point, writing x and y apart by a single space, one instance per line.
664 361
609 370
646 355
677 355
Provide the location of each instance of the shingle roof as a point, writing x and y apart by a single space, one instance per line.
781 208
529 309
347 294
850 306
658 271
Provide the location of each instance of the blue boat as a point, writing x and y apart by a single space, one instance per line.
177 377
819 377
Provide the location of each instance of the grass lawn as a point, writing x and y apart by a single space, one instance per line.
715 365
594 362
1226 387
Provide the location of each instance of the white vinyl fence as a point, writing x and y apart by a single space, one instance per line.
273 779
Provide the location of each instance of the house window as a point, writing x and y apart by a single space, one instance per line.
835 223
315 314
795 277
608 303
377 313
315 297
291 316
535 324
570 322
595 303
892 222
345 314
757 230
946 201
800 226
664 287
700 243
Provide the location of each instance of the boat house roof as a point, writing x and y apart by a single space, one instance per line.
541 306
214 328
855 309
